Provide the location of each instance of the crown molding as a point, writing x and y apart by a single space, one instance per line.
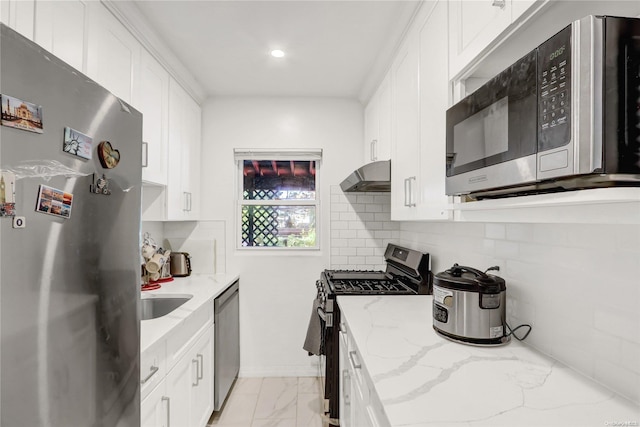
133 20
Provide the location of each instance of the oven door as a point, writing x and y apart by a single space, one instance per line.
492 133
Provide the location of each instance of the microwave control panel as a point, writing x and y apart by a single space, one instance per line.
554 91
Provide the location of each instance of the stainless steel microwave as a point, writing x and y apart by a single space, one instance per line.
565 116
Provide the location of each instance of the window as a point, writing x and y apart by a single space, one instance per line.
278 199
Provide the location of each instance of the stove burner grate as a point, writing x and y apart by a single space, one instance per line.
366 286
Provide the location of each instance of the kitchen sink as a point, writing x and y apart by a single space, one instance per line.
156 306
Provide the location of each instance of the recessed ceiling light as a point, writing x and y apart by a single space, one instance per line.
277 53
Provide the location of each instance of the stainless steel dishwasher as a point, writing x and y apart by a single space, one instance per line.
227 342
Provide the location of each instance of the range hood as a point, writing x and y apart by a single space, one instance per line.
374 176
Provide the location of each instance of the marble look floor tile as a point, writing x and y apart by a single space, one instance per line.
308 410
286 422
238 410
247 385
277 398
308 385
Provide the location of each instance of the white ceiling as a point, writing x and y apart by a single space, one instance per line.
333 48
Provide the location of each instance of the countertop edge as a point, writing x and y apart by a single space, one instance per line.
204 288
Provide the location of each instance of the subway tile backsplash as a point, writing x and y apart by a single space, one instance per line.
576 284
361 228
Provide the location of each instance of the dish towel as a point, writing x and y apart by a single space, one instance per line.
314 342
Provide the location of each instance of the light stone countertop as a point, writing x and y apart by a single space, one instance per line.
203 287
423 379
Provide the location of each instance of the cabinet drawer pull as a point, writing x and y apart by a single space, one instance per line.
165 398
200 367
352 357
153 370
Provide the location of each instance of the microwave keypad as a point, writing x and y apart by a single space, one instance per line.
554 96
554 91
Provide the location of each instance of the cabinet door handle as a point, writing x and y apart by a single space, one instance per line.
411 180
197 376
200 367
406 183
352 357
165 398
499 3
374 150
145 154
153 370
345 390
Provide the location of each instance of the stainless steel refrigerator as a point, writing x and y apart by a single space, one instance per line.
69 245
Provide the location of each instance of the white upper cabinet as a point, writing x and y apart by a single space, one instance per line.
434 101
183 185
377 124
60 28
152 99
19 15
113 54
405 127
475 24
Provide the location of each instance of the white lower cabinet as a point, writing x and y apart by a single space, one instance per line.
184 396
154 411
202 387
360 406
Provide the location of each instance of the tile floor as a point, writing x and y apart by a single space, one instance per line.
272 402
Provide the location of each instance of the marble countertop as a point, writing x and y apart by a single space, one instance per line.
203 287
423 379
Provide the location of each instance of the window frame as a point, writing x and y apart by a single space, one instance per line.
278 155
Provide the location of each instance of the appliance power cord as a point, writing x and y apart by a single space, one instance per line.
513 331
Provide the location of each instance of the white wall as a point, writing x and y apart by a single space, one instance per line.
276 289
576 284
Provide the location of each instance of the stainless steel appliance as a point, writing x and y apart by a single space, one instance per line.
565 116
469 306
407 273
180 264
70 264
375 176
227 343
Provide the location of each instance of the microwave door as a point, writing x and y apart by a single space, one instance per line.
492 133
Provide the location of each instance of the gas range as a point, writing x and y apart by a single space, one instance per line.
407 273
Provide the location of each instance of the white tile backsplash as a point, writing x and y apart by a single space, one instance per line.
361 227
203 240
576 284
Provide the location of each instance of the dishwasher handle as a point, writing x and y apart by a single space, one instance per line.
226 296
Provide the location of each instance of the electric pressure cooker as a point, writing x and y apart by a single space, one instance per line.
469 306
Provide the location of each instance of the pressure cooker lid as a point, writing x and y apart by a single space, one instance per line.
463 278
